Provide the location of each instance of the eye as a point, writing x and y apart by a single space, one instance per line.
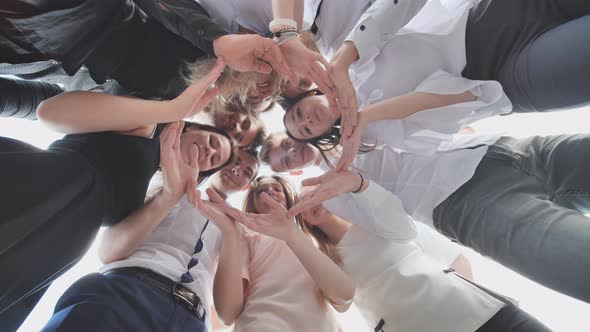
299 113
211 140
308 131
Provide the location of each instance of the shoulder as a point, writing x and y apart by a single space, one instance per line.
144 131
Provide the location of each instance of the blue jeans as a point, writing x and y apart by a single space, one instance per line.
524 207
113 302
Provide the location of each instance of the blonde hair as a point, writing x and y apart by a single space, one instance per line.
233 85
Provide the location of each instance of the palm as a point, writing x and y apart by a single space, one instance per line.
329 185
276 223
215 210
177 174
347 102
307 64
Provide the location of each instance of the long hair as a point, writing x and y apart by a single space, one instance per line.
327 141
215 130
292 198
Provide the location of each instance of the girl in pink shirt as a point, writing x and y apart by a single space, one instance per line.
287 284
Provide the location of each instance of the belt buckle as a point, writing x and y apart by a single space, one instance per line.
196 308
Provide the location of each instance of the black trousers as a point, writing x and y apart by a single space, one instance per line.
52 206
20 98
539 50
512 319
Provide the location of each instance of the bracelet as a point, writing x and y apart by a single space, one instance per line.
361 186
283 37
282 32
282 23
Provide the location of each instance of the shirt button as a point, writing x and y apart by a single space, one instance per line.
54 62
200 31
362 28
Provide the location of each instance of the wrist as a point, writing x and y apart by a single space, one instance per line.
230 230
346 55
292 237
165 200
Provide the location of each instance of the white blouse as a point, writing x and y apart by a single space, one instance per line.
395 280
398 284
427 55
421 182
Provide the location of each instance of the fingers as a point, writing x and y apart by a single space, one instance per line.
274 56
178 133
320 77
314 199
202 102
214 196
262 67
265 198
199 87
314 181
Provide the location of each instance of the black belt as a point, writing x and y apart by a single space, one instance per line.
180 292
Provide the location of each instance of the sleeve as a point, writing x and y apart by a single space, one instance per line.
436 246
383 18
424 132
186 19
376 210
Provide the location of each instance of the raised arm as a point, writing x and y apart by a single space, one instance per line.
228 288
335 284
121 240
360 201
84 111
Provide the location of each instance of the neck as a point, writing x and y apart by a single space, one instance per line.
334 227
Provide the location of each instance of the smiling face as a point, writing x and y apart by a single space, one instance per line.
237 175
271 187
213 149
259 97
285 154
310 117
241 127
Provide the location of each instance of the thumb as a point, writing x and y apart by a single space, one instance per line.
313 181
262 67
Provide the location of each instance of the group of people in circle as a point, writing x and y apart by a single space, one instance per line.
162 103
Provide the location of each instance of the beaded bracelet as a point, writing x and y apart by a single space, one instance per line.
362 184
284 37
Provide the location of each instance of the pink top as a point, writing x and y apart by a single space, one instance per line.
281 295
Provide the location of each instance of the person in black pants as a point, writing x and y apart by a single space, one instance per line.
55 200
539 51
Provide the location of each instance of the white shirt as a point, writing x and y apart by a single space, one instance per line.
168 250
421 182
395 281
427 55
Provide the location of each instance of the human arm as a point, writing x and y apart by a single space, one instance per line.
228 290
120 240
86 111
373 208
383 18
332 281
395 108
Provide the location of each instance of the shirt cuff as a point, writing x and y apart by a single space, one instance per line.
365 36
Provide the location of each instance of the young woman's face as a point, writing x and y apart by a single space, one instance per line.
285 154
213 149
272 188
309 118
260 97
236 175
242 128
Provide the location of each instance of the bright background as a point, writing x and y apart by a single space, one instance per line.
557 311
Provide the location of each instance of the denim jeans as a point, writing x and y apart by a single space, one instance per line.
524 207
112 302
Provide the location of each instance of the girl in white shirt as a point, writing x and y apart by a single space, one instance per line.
399 288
